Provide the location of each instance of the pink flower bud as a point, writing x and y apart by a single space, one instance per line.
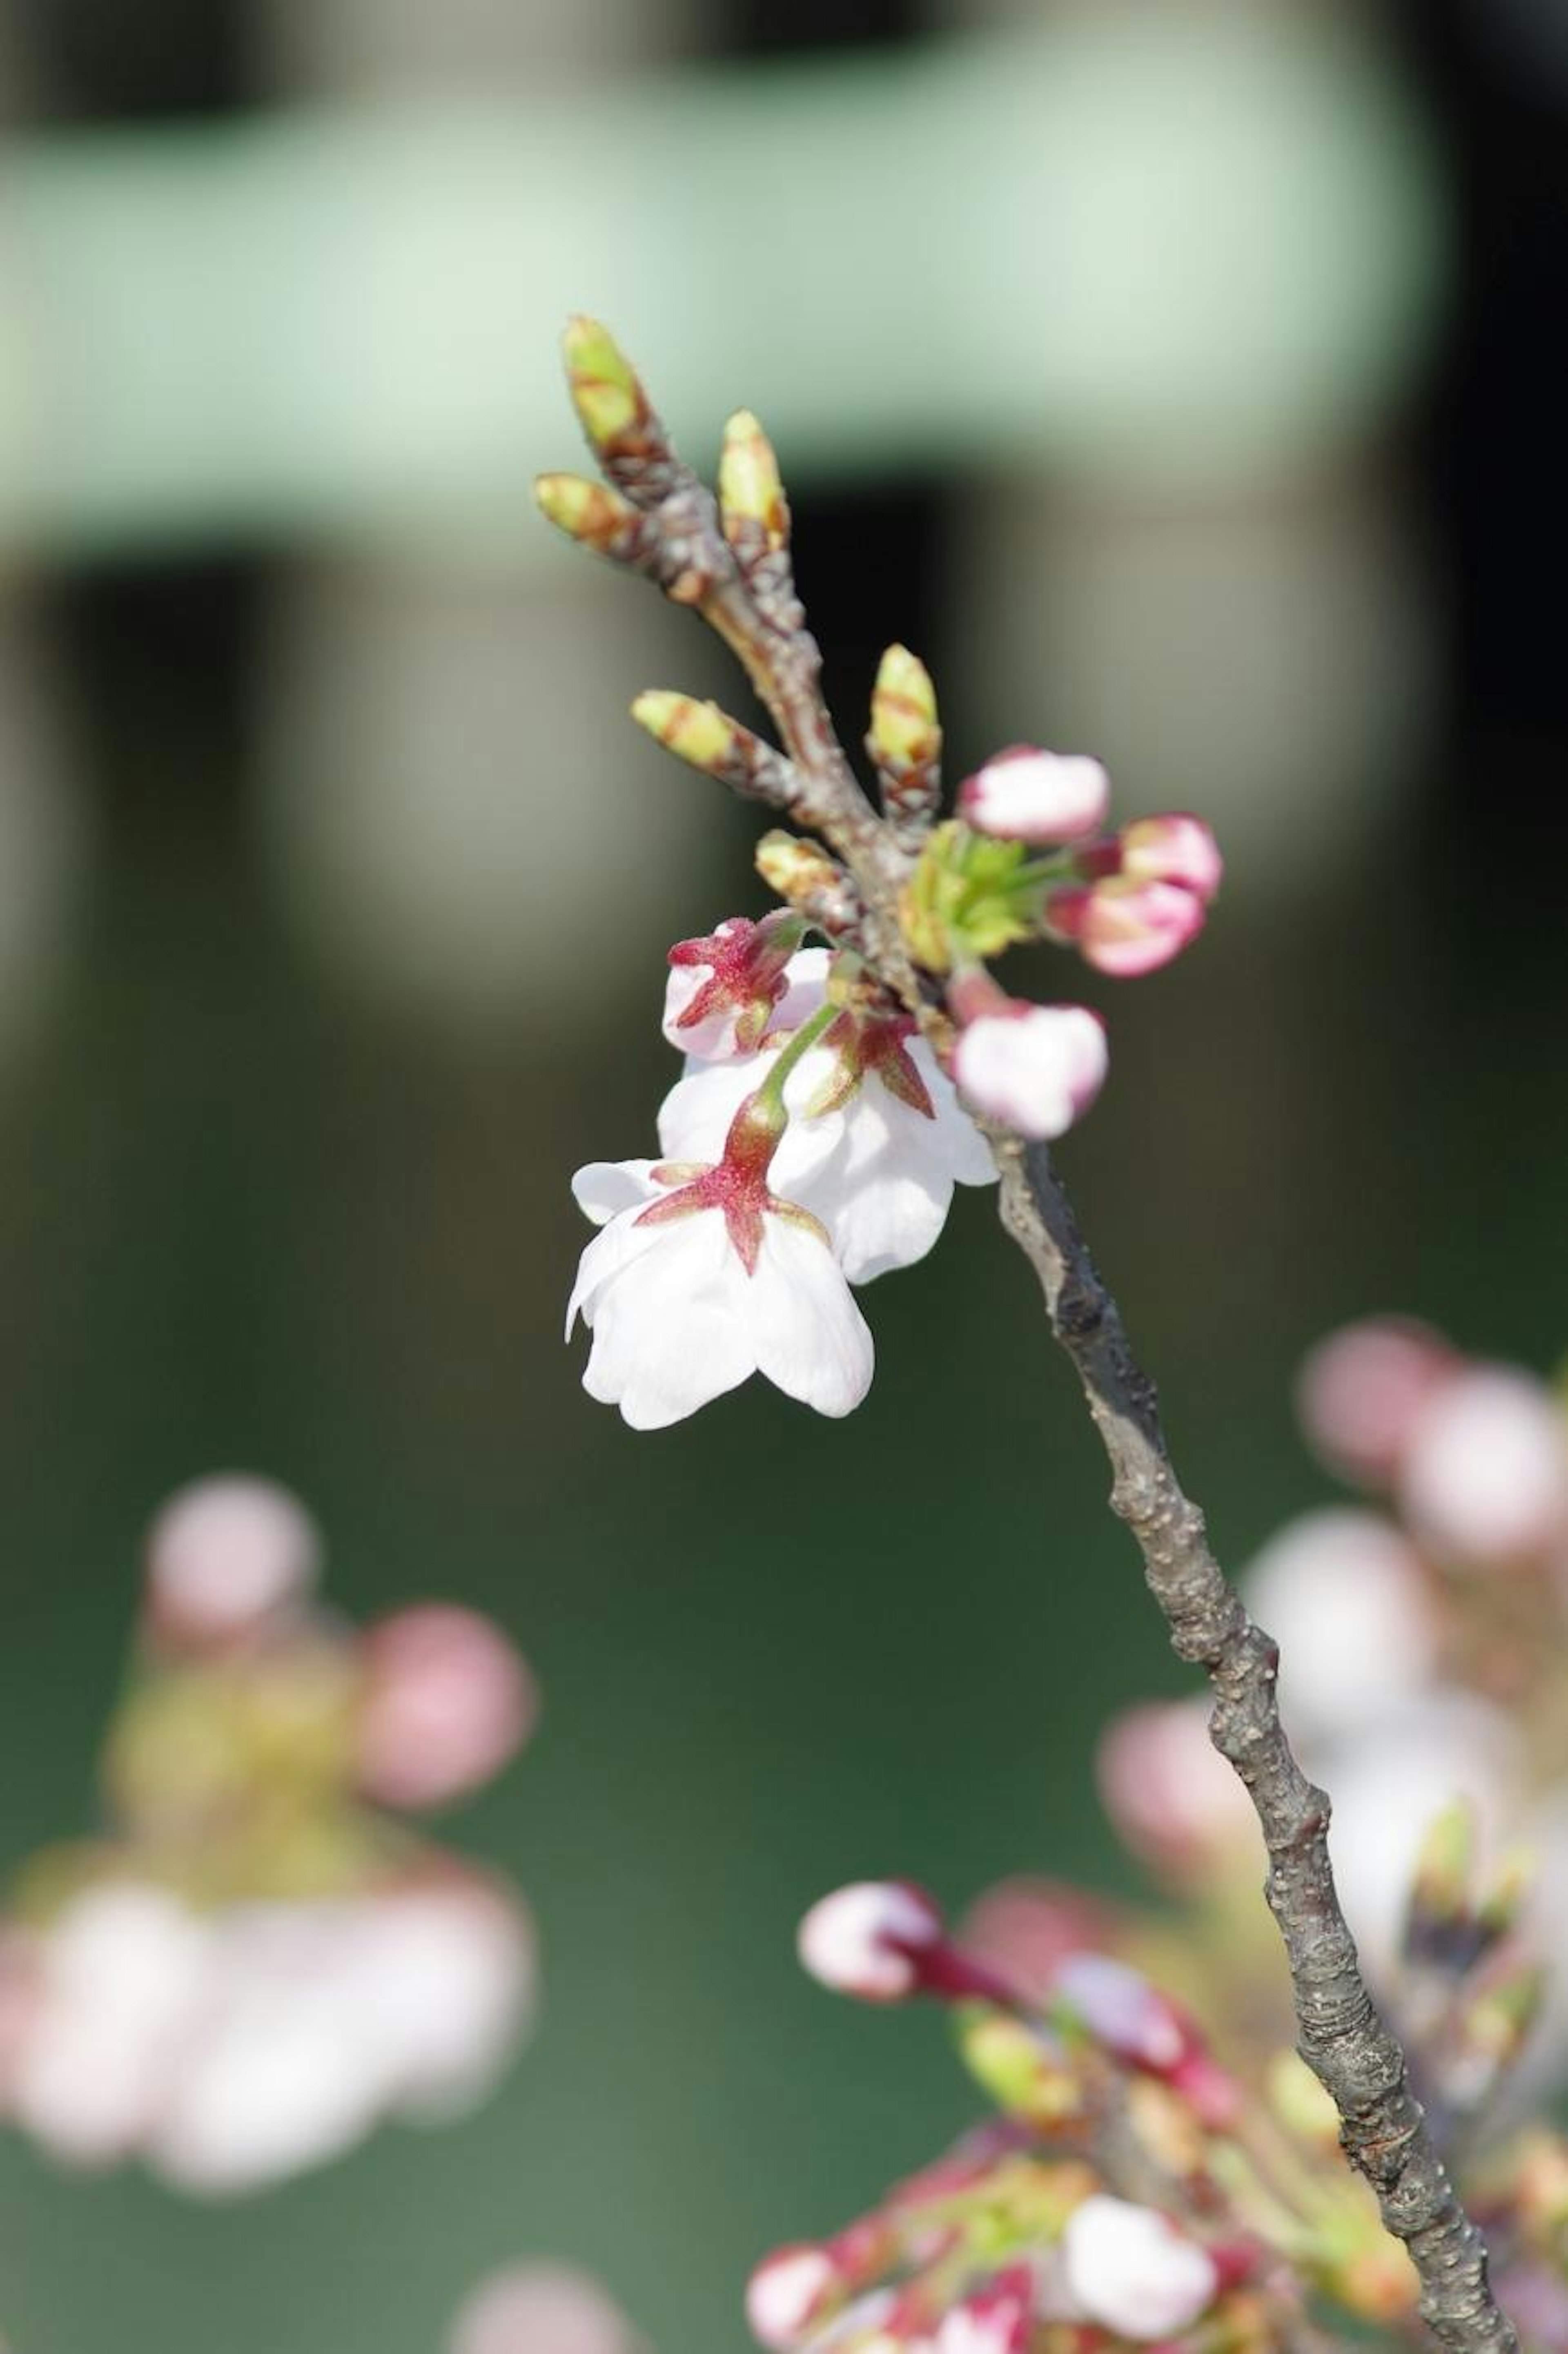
224 1556
1026 795
1035 1068
1124 927
1173 849
1133 2271
996 2319
1173 1799
872 1939
448 1700
540 2309
1025 1928
1361 1391
1140 2026
788 2293
1347 1600
1484 1482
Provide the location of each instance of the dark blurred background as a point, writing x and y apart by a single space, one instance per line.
1186 382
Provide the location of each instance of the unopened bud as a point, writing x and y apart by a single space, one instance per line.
752 505
1024 2069
810 880
1177 848
698 733
1123 926
1303 2105
870 1939
1485 1476
1034 1068
996 2319
606 393
789 2293
1445 1867
1132 2270
1362 1391
903 727
590 512
226 1557
1043 798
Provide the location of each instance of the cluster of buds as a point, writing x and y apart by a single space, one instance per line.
829 1096
261 1959
1131 2191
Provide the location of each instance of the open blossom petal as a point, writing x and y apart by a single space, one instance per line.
604 1188
1035 1068
677 1318
878 1171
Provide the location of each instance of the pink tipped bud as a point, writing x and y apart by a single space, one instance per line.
1124 927
540 2309
1025 795
723 988
1035 1068
1484 1482
1360 1393
1174 849
1171 1797
224 1556
872 1939
1143 2029
1133 2271
789 2293
996 2319
448 1700
1025 1928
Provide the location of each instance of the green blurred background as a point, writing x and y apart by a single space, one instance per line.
1181 380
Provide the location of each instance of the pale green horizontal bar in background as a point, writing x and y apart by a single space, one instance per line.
1173 256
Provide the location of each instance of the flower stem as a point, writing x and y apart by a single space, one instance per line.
771 1091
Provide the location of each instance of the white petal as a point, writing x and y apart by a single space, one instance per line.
615 1246
670 1330
604 1188
880 1218
810 1338
963 1148
806 976
694 1116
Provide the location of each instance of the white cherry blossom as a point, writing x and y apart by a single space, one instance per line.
874 1154
677 1315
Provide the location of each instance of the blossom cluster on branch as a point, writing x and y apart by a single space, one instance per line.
259 1956
704 1272
823 1119
1164 2168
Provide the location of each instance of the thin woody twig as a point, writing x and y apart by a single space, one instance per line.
1341 2035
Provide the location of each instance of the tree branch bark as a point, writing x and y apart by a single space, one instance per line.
1342 2037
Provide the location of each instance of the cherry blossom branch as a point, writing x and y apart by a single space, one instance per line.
1342 2037
729 559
